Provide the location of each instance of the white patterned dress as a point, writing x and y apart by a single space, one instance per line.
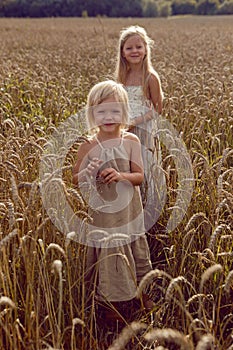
153 189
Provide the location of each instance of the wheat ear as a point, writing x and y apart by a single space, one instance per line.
168 335
148 277
126 334
75 321
210 271
7 301
206 342
228 282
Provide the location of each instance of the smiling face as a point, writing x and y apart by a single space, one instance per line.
134 49
108 115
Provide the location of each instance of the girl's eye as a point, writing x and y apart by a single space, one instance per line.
116 111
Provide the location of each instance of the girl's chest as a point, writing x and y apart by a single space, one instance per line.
134 80
112 152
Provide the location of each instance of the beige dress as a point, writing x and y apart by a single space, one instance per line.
117 253
153 189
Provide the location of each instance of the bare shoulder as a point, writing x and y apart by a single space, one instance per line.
131 136
154 79
87 145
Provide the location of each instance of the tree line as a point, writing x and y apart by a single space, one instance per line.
113 8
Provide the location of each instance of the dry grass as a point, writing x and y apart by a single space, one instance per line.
47 68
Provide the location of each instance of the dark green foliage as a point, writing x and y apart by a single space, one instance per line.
183 7
65 8
207 7
226 8
112 8
151 9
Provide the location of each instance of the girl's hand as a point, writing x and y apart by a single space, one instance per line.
131 125
140 120
93 167
110 175
130 128
148 116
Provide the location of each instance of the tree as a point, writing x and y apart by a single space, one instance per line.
226 8
150 9
165 9
12 9
122 8
207 7
183 7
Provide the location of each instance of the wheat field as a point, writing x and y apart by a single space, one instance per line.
47 67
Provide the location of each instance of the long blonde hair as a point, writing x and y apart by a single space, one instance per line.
100 92
122 67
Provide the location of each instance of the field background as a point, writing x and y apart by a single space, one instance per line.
47 67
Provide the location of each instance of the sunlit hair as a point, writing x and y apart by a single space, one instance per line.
122 66
102 91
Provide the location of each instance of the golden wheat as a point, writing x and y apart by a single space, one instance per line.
128 332
47 68
170 336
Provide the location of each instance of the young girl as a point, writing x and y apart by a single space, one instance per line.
142 83
111 163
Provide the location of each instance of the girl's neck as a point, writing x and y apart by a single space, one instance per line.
135 68
134 76
103 136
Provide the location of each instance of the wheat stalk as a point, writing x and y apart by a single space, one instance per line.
127 333
218 230
147 279
75 321
206 342
7 301
174 284
194 297
168 335
57 267
11 213
7 238
208 273
76 195
209 252
35 101
56 247
15 193
228 282
193 218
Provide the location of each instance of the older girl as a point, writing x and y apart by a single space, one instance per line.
142 83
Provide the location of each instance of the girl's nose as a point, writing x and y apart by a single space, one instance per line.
108 115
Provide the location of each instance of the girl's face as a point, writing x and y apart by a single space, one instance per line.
108 115
134 49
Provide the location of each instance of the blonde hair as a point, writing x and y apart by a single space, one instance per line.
147 68
100 92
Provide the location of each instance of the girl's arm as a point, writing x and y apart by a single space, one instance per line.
141 119
156 93
83 168
78 170
136 175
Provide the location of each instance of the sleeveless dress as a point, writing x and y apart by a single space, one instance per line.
117 248
153 189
